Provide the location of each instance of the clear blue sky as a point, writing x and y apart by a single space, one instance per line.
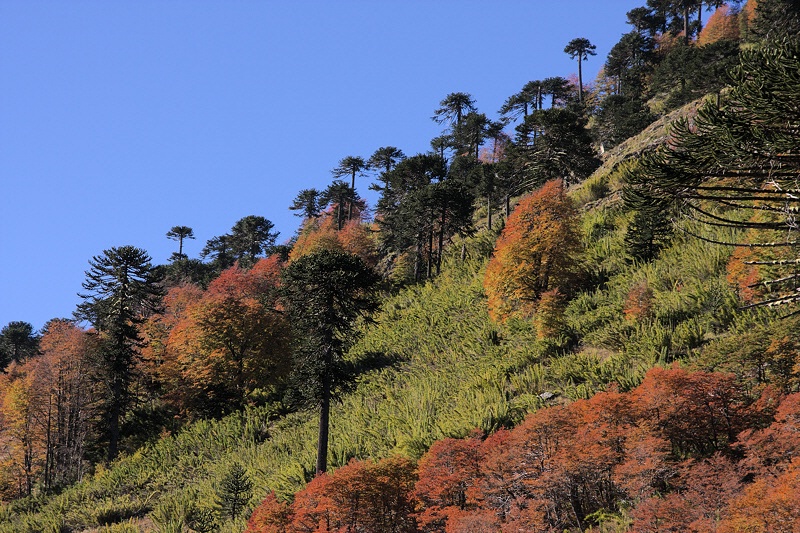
119 120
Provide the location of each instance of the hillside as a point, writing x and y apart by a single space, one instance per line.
522 334
462 372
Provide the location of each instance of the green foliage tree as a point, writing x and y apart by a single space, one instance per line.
325 293
121 289
562 149
736 166
688 72
453 107
385 158
250 238
580 48
307 204
18 341
776 20
179 234
350 166
235 491
338 195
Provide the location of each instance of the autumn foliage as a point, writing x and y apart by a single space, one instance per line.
210 349
365 496
684 451
535 254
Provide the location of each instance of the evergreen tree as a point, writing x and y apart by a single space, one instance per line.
350 166
234 492
736 166
581 49
776 20
252 237
325 292
18 341
453 107
385 159
179 234
121 290
307 203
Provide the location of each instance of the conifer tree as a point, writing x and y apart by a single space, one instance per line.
325 292
737 160
121 290
235 491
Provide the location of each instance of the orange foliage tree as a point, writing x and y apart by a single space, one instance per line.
46 412
722 24
536 253
229 342
321 233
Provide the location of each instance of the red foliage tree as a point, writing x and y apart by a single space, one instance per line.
446 474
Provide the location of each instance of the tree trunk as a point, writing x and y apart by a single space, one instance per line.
324 416
686 24
580 81
489 210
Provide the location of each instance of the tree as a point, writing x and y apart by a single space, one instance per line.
735 167
325 293
307 204
252 237
235 491
535 253
562 150
384 159
228 342
337 195
121 289
776 20
179 233
350 166
581 49
453 107
18 341
249 239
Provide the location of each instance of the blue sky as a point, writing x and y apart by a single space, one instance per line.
119 120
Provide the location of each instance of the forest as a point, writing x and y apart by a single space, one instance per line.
579 316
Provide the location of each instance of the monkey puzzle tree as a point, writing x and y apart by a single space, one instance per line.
179 234
325 293
18 341
736 167
581 49
350 166
121 289
307 203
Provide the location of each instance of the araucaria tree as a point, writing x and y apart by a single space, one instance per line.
180 233
121 290
580 48
350 166
735 167
325 293
535 254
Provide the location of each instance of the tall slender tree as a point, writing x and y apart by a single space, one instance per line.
307 203
581 49
121 290
453 107
179 234
350 166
